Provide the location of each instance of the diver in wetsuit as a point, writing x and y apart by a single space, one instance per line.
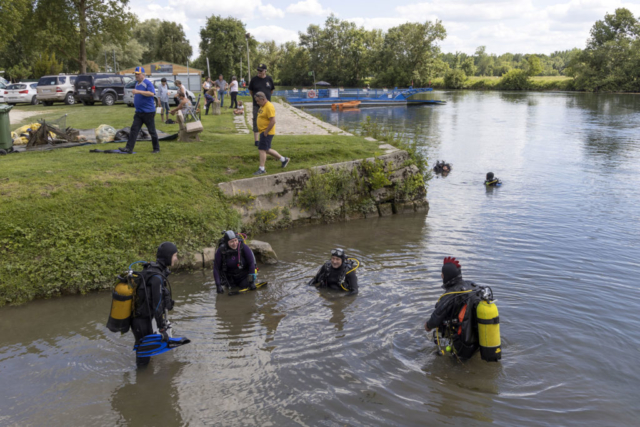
442 167
234 264
458 293
153 297
492 181
339 273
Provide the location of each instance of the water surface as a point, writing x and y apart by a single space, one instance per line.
559 244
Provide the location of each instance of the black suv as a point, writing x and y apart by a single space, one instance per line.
104 87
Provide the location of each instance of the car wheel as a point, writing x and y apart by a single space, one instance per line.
3 152
34 100
129 105
69 99
11 103
47 103
108 99
86 102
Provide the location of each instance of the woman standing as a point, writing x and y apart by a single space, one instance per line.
233 89
181 90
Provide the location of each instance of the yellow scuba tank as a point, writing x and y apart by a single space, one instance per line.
121 307
488 331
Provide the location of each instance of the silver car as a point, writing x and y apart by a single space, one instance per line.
173 92
56 89
21 93
2 88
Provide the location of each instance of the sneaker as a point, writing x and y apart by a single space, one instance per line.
285 162
125 150
260 172
155 151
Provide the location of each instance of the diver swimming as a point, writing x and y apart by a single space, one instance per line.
492 181
235 264
465 317
141 302
338 273
442 168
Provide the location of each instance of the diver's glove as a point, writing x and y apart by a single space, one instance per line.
165 335
219 289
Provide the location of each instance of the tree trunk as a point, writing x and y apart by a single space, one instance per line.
82 13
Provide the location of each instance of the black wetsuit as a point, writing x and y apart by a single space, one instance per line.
151 303
234 266
448 308
337 278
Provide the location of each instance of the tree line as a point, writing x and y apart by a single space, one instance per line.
48 36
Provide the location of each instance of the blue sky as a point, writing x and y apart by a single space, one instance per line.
522 26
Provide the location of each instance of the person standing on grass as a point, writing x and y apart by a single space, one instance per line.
207 84
222 87
266 122
163 94
233 90
260 83
145 103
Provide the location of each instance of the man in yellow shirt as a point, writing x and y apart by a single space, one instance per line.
266 122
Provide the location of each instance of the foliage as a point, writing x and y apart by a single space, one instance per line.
454 79
515 80
12 15
375 174
323 190
128 56
611 60
47 64
19 72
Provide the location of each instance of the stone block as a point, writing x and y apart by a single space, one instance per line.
354 215
404 207
263 251
404 173
421 205
385 209
383 194
189 261
208 255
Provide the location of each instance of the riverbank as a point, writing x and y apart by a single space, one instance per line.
72 220
539 83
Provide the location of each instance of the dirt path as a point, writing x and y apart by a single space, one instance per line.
16 116
292 121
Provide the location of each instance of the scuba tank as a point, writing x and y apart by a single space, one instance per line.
488 329
121 307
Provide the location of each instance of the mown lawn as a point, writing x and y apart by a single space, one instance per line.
73 219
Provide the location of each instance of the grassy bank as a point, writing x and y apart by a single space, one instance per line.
71 219
494 83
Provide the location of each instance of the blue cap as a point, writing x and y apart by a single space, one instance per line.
139 70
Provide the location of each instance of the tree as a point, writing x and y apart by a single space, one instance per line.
611 60
455 79
294 65
533 67
468 67
223 41
129 56
171 44
47 64
12 15
410 54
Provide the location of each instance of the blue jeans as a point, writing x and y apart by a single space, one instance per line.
221 98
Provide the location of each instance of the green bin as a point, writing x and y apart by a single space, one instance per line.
5 132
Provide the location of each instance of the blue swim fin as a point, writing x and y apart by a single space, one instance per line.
152 345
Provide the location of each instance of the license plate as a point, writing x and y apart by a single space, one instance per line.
46 90
82 91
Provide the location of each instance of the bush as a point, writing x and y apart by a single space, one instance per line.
515 80
455 79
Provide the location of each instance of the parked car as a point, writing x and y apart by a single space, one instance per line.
21 93
107 88
57 89
173 91
2 88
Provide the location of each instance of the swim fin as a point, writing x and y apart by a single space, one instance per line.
152 345
243 291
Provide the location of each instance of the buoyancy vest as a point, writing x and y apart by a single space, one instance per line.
349 265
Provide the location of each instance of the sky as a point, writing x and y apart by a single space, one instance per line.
516 26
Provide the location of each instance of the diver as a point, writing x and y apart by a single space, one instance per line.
234 263
449 316
492 181
339 273
442 167
153 299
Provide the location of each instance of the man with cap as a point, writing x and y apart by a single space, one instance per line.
450 304
234 264
339 273
145 103
260 83
153 297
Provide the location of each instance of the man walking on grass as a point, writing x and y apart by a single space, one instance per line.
266 123
145 103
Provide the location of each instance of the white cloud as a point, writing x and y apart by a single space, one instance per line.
271 12
164 13
273 32
377 23
241 9
309 8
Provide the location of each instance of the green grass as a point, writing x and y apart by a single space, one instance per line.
73 219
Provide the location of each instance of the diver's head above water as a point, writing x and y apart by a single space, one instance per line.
450 269
490 176
167 254
231 239
337 257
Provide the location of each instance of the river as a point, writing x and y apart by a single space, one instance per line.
559 244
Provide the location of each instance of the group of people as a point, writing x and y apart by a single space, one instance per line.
218 89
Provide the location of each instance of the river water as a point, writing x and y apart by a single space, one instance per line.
559 244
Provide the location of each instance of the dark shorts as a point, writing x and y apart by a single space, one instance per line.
255 118
265 142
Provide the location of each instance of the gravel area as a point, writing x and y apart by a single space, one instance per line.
292 121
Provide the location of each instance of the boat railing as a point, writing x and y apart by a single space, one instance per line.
355 94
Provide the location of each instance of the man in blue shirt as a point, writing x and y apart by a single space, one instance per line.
145 103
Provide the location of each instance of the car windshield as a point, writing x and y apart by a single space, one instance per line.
47 81
130 85
16 86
